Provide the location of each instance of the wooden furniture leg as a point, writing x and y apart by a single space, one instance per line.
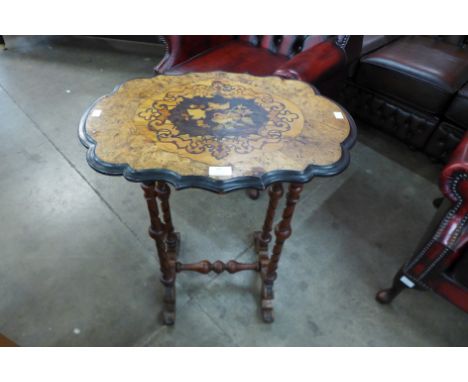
253 193
157 231
263 238
172 238
282 232
386 296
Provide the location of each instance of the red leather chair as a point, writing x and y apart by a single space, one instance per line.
315 59
440 263
320 60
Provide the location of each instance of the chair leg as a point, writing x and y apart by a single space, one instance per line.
437 202
386 296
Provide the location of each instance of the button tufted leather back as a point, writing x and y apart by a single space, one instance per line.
288 45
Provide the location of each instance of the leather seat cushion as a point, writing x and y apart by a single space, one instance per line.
458 110
416 70
235 56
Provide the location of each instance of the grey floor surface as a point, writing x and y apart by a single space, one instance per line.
78 269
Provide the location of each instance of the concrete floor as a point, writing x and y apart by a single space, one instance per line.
77 267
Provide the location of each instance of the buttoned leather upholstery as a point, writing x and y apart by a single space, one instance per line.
458 109
419 71
234 56
413 87
316 59
443 140
409 125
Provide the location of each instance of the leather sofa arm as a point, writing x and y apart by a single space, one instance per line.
182 48
455 171
316 63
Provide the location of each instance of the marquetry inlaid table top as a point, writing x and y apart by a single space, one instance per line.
219 131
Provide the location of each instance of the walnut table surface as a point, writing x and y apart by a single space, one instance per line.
220 132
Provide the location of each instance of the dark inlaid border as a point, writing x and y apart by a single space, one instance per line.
210 184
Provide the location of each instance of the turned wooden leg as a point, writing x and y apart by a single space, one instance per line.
253 193
172 238
282 232
157 232
386 296
263 238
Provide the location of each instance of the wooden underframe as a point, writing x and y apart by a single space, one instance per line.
168 244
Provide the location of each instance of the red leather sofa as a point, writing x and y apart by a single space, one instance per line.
413 87
440 263
320 60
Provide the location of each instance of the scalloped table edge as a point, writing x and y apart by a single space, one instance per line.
180 182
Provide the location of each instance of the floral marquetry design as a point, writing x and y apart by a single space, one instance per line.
219 118
171 127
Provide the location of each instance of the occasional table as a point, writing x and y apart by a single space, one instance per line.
219 132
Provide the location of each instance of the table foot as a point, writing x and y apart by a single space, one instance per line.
266 292
169 318
253 193
267 303
169 301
